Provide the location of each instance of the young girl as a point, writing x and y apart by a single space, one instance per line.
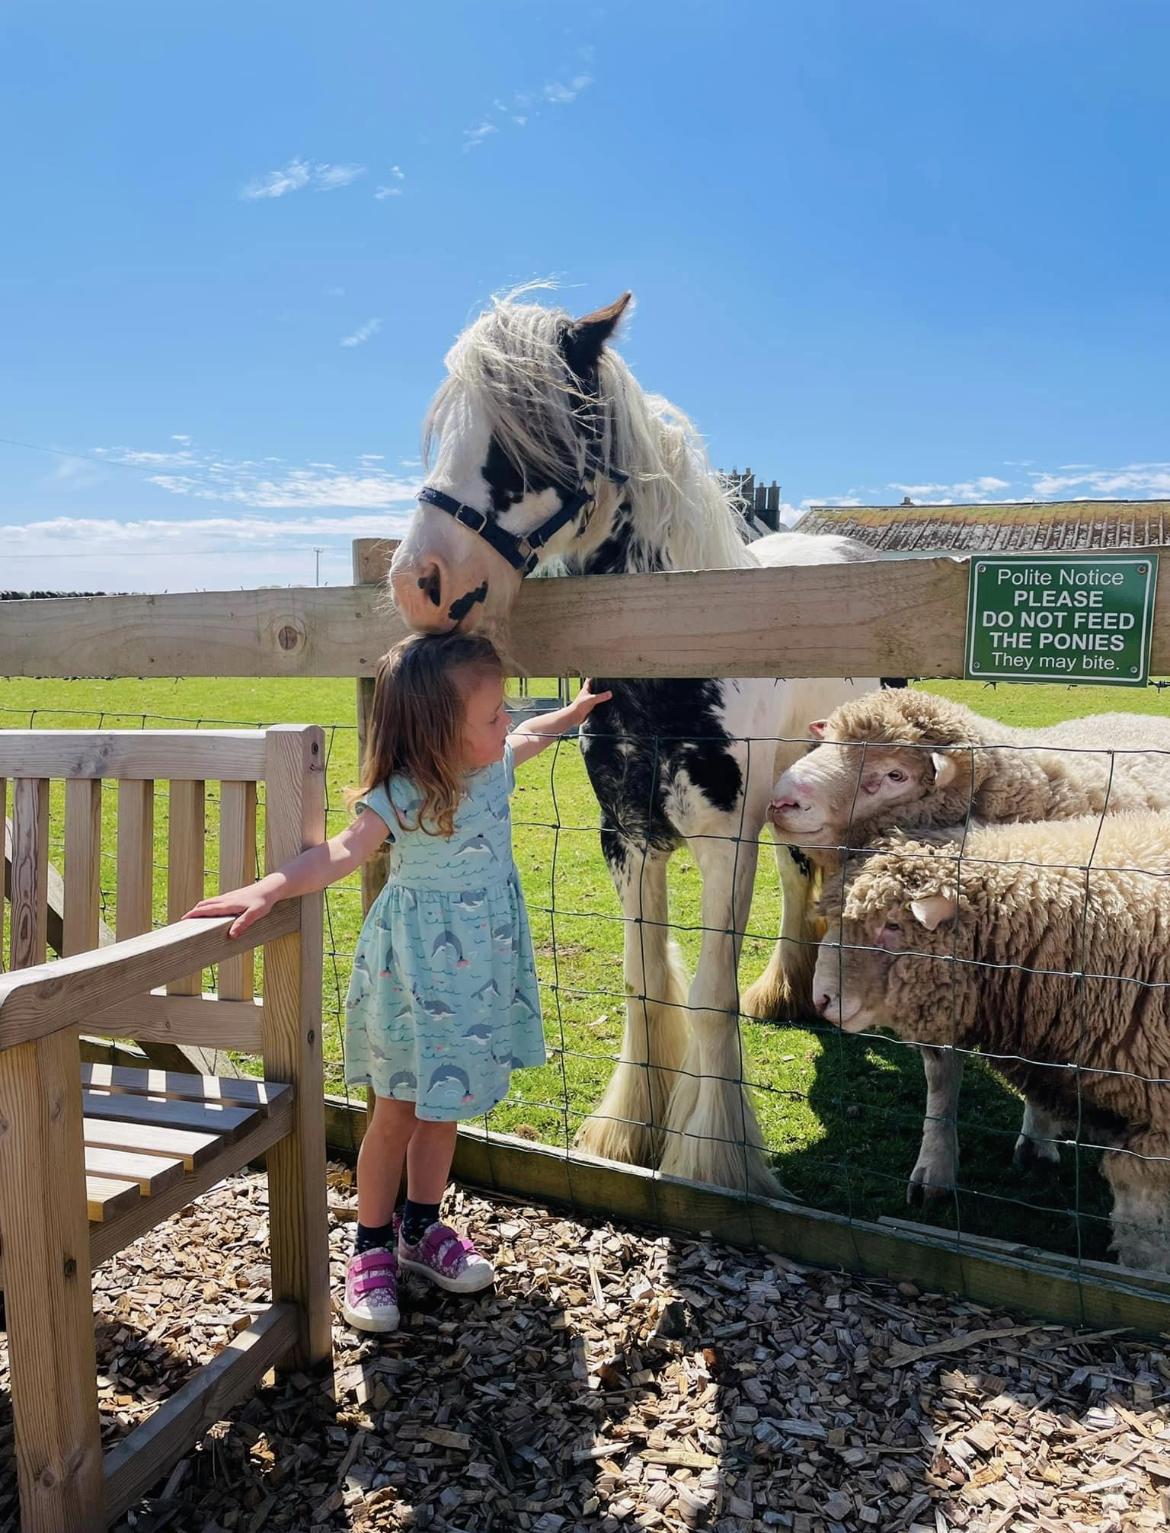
443 1001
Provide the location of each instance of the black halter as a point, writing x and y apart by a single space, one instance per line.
521 552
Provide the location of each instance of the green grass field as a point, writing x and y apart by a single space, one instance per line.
841 1115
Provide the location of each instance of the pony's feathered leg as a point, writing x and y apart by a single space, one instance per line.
783 992
712 1134
629 1121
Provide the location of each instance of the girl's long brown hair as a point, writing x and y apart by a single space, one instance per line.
416 723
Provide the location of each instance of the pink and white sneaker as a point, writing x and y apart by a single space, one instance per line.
371 1291
448 1259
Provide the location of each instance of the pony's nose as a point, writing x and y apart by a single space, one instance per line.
420 588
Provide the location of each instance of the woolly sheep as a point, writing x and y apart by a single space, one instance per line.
911 760
906 759
1045 947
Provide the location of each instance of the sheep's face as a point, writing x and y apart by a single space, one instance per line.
844 783
849 985
887 959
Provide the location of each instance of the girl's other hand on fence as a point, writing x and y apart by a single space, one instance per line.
585 702
248 904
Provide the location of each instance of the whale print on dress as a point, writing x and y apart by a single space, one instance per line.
448 943
474 849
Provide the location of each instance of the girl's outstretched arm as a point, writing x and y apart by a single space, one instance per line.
532 737
312 870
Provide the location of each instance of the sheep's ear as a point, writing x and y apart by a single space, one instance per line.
817 728
933 909
946 769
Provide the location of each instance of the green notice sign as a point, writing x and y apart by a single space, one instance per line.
1044 617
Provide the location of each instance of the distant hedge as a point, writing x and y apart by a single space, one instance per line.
42 595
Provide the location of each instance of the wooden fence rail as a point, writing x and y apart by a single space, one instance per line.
892 618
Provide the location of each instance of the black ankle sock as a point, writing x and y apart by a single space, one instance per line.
417 1219
370 1235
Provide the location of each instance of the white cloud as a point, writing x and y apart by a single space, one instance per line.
329 177
153 554
520 108
298 174
560 94
335 292
983 488
1075 481
473 138
256 483
362 334
1132 481
397 175
183 440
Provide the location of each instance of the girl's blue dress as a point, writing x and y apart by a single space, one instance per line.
443 1003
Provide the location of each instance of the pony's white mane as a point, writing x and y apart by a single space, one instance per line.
509 365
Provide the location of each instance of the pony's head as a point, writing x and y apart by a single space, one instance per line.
522 448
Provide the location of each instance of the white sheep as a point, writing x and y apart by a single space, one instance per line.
1047 948
909 759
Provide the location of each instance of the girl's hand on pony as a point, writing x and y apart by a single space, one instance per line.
584 703
249 904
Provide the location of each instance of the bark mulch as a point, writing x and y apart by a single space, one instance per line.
622 1380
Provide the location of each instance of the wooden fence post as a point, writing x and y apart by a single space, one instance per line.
49 1302
291 1035
371 564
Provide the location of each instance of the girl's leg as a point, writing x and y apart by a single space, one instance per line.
370 1302
428 1160
425 1245
381 1160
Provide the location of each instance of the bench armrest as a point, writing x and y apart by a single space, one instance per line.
41 1000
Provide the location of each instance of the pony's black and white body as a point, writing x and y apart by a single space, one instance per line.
537 410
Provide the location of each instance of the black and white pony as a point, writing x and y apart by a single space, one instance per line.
545 449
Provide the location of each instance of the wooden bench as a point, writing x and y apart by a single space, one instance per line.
93 1155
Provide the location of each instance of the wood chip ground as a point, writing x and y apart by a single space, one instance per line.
617 1380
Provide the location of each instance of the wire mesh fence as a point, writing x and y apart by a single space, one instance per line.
842 1115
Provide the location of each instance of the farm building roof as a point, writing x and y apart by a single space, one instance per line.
1011 527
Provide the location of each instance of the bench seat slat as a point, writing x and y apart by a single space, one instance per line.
151 1172
147 1139
107 1196
244 1091
224 1123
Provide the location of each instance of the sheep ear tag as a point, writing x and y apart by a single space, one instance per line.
933 909
946 769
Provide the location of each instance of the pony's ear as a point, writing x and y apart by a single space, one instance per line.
585 337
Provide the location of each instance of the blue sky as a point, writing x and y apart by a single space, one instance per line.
877 249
